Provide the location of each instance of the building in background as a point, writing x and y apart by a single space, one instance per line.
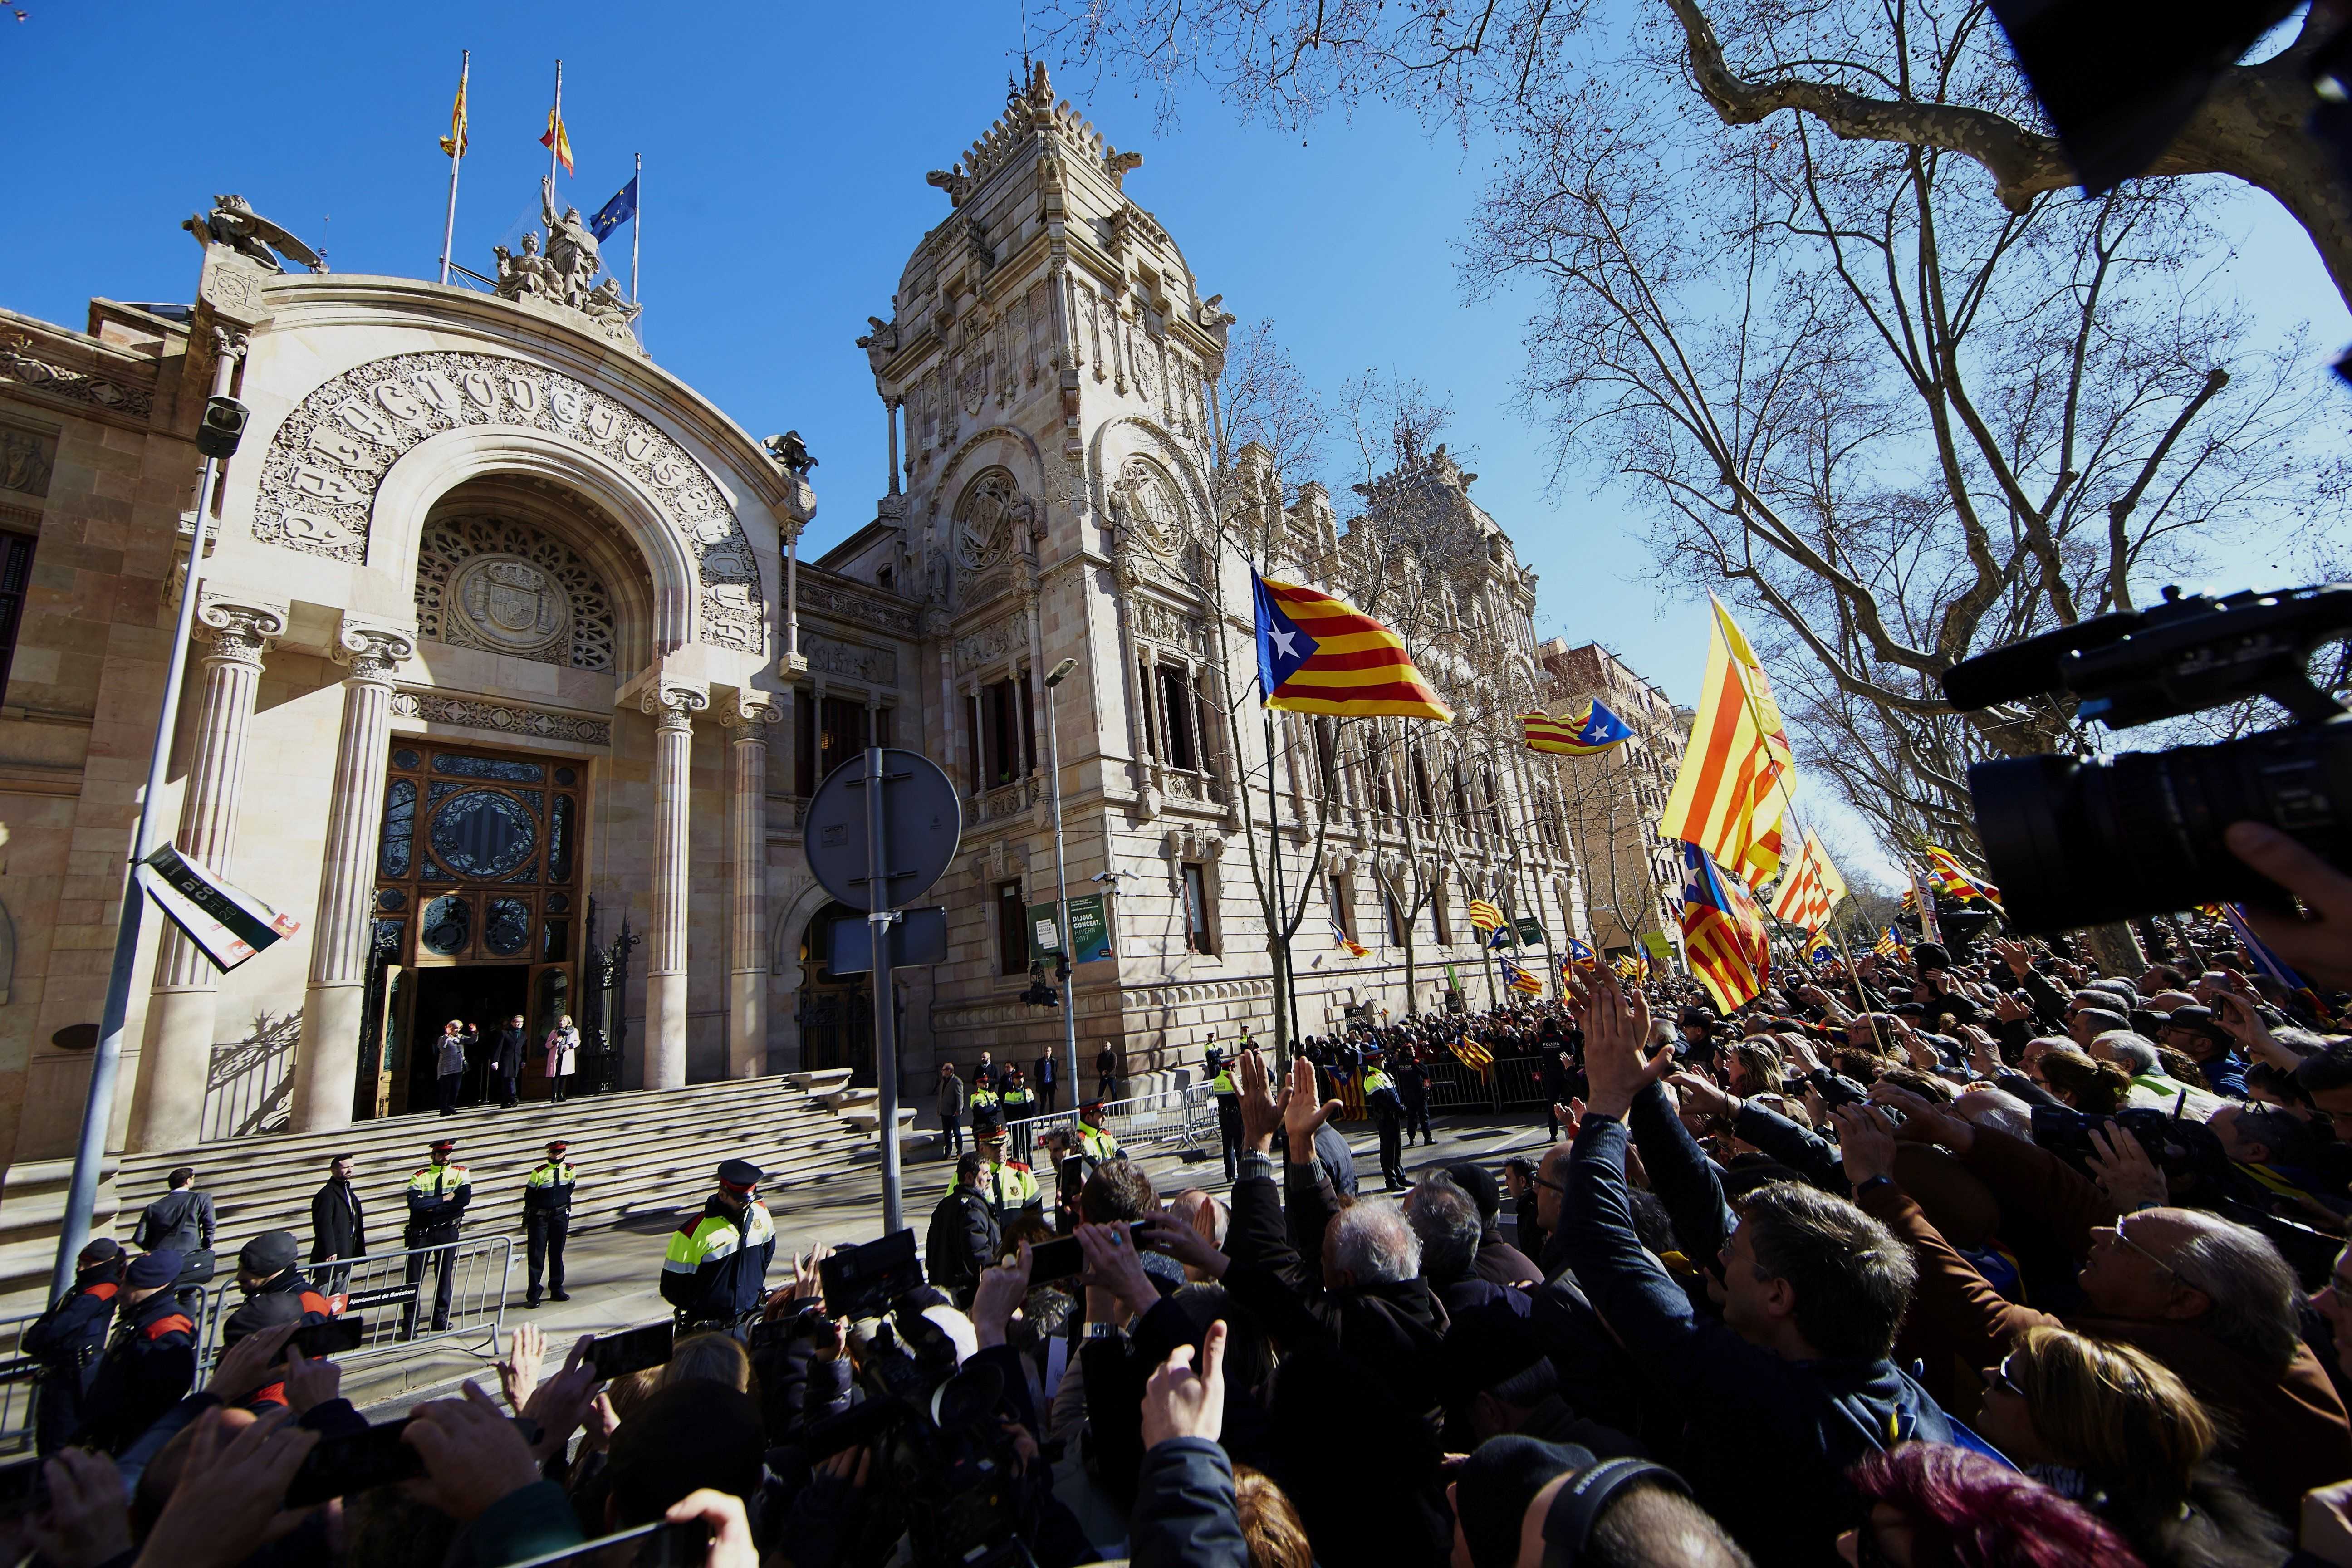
1632 877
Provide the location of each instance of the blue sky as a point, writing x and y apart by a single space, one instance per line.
783 189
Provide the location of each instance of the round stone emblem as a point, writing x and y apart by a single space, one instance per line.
509 605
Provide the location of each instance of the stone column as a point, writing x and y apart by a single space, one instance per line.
168 1105
674 707
327 1059
747 718
891 407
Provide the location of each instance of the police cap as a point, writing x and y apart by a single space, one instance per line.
740 1173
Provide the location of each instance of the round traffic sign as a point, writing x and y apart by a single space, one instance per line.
921 823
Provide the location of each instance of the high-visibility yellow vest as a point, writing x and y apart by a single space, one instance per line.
1018 1097
1376 1080
1223 1083
1009 1185
981 1096
435 1183
716 1238
552 1174
1099 1143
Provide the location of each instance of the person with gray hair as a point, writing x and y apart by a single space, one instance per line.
2211 1300
2129 1050
1444 1219
1999 1110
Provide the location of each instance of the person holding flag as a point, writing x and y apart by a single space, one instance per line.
1733 787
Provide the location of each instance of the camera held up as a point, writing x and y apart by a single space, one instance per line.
2075 841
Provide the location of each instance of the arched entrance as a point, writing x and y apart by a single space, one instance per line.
836 1011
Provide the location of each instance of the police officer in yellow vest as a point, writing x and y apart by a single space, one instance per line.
987 1108
1380 1099
717 1268
1093 1142
437 1196
1229 1107
1009 1185
1019 1102
547 1221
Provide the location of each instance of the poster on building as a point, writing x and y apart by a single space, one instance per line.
229 925
1089 929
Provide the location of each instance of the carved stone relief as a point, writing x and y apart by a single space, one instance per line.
991 521
822 598
26 457
325 464
853 661
507 718
990 645
496 584
17 364
1143 498
1162 623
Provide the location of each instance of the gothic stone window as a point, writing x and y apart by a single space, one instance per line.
495 583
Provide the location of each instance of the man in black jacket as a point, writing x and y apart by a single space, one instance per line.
506 1060
1794 1383
963 1238
68 1339
338 1225
181 1219
152 1361
275 1292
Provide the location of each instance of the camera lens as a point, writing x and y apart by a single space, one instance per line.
2079 842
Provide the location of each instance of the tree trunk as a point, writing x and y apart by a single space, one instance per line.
2115 948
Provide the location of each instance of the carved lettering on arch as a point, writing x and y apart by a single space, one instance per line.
325 464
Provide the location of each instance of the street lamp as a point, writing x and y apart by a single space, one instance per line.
1061 887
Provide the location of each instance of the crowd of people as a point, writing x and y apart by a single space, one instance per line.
1969 1257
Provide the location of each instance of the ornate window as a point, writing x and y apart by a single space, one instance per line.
486 853
496 584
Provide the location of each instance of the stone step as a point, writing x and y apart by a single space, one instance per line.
644 1154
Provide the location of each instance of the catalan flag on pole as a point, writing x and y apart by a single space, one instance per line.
1484 916
1317 653
1353 948
454 145
1723 933
1590 729
1521 980
1578 956
1811 890
1733 787
1471 1054
1946 871
1889 945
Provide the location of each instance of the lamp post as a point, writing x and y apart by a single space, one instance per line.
1062 890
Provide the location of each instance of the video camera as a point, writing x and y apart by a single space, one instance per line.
945 1467
2076 841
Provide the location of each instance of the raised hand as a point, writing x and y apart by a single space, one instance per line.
1702 1098
519 1373
1189 1246
1261 1113
230 1492
1178 1402
472 1456
1866 1143
1112 1264
2123 1170
1616 1029
559 1405
1302 1112
1925 1121
1004 1286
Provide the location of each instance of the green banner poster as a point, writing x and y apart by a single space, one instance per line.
1089 929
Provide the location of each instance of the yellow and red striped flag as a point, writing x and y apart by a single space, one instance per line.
1723 933
558 138
1521 980
1954 878
1587 731
455 142
1471 1054
1346 943
1317 653
1811 890
1734 784
1484 916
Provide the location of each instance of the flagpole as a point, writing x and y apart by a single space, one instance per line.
637 232
555 127
456 157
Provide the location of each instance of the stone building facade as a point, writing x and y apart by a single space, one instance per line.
1632 877
511 686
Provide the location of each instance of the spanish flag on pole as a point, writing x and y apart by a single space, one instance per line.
556 139
1733 788
1317 653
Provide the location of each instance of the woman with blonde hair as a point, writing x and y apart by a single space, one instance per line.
2096 1088
2112 1428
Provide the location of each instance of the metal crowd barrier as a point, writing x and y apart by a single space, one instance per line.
18 1373
393 1292
1180 1117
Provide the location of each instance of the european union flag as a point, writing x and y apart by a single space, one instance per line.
616 212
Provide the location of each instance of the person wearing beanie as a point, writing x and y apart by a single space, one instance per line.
152 1362
68 1339
1491 1489
275 1292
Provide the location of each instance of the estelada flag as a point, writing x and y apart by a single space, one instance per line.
1811 890
1733 787
1471 1054
1590 729
1317 653
1521 980
1723 933
1353 948
560 138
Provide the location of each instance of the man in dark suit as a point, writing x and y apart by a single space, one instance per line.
338 1225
